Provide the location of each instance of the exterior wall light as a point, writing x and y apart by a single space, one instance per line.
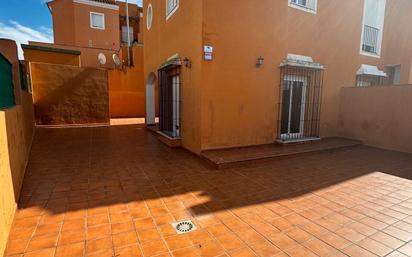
187 63
259 62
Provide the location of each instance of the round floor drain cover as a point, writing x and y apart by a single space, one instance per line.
185 226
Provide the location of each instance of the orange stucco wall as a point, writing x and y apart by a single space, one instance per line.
71 25
238 102
51 57
16 133
127 89
69 95
379 116
88 56
181 34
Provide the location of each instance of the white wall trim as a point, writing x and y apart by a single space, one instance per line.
173 11
97 4
302 8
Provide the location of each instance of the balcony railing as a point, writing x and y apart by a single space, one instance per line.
370 39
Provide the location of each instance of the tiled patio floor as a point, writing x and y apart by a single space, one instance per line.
115 191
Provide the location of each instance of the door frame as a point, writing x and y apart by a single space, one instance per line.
304 80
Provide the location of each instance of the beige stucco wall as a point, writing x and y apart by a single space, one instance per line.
69 95
379 116
16 133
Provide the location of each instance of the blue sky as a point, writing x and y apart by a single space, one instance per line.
24 20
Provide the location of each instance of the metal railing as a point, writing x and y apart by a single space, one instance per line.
370 39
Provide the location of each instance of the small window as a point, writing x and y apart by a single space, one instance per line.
149 19
305 5
372 28
394 74
97 20
171 7
124 34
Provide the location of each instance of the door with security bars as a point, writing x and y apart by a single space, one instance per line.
293 107
169 102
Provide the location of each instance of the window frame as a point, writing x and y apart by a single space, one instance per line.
304 8
170 14
149 18
380 36
91 20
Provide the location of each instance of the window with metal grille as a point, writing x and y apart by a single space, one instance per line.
373 21
366 80
6 84
299 103
306 5
171 7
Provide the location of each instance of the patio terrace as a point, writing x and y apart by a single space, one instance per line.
114 191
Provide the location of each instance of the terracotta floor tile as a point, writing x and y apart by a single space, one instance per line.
406 249
282 241
354 251
387 240
129 251
97 220
119 193
122 227
350 234
230 242
155 247
300 251
77 224
21 233
335 240
41 253
397 254
319 248
265 249
144 224
73 250
375 247
98 245
71 236
43 242
243 252
102 253
298 235
125 239
98 231
187 252
47 229
178 241
398 233
148 235
218 230
210 249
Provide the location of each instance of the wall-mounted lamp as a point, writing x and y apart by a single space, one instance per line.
187 63
259 62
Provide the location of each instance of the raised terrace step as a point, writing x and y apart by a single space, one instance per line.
225 158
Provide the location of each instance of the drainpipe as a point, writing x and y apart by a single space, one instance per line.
128 33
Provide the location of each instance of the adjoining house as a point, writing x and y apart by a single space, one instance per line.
238 73
94 34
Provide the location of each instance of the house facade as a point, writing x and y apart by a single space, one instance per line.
239 73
